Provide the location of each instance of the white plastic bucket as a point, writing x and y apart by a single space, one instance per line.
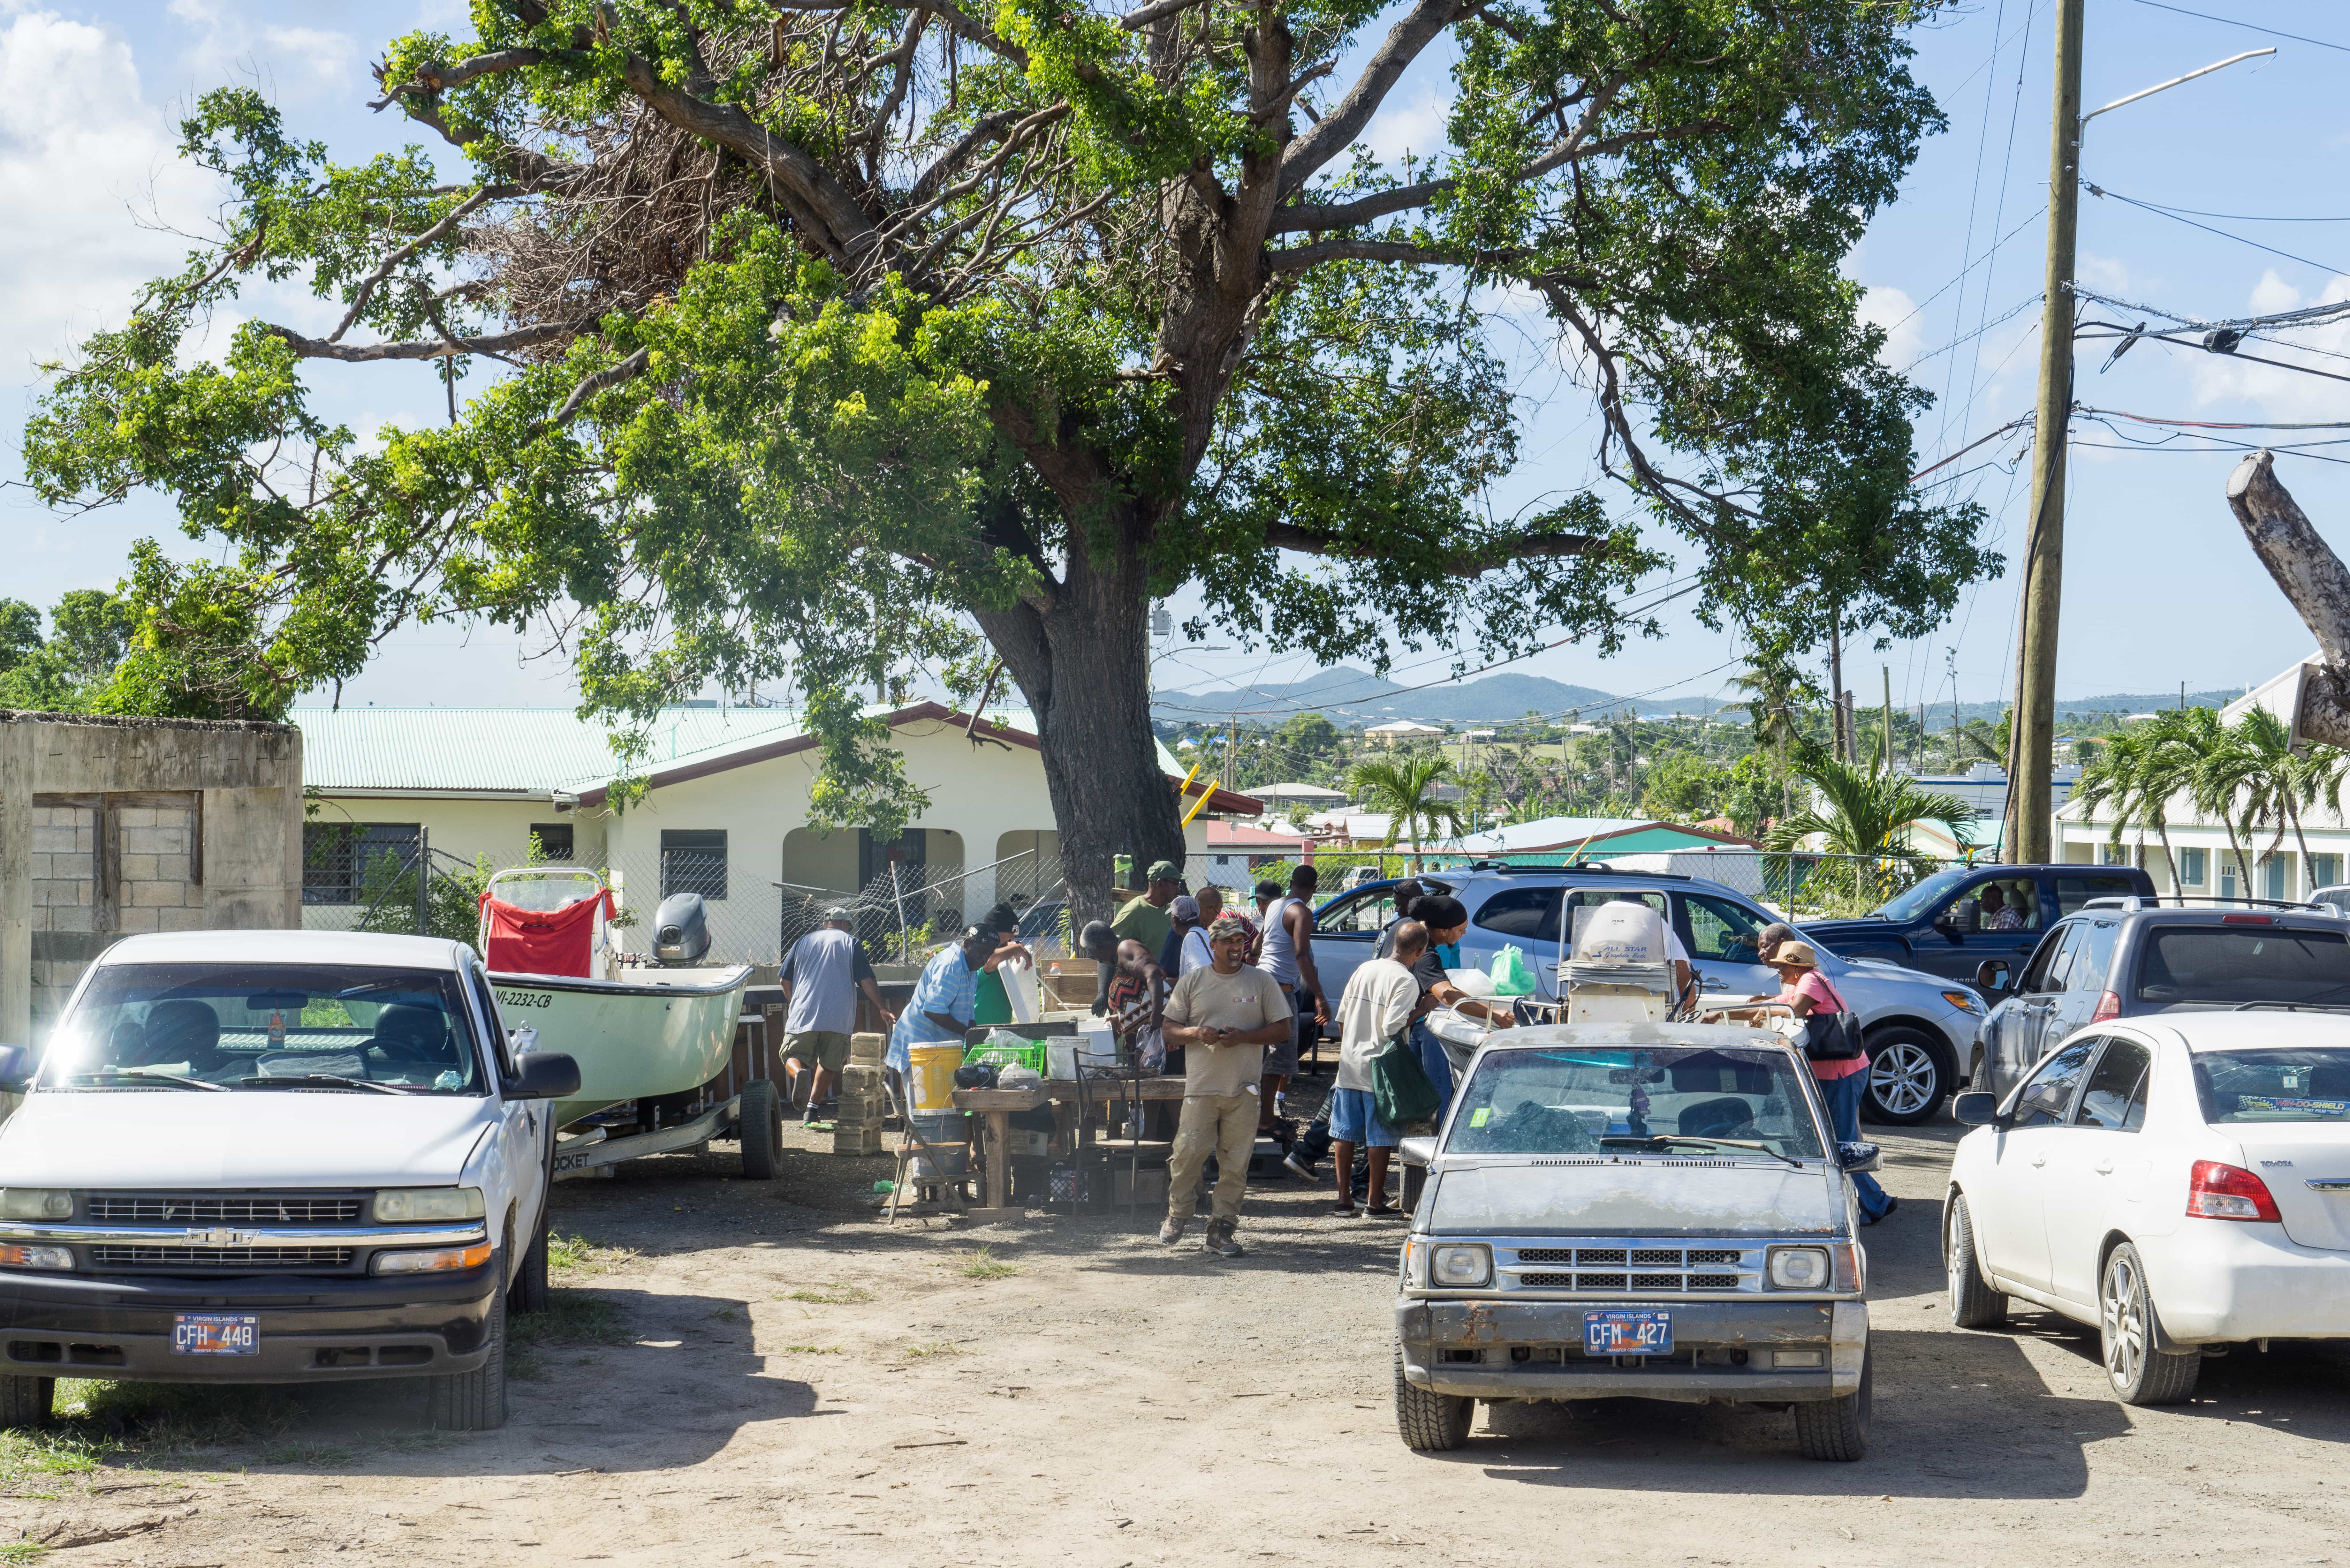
1024 990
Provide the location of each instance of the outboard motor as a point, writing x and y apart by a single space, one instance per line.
680 930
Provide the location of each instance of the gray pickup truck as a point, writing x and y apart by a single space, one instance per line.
1657 1211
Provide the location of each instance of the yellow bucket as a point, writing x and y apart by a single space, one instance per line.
931 1085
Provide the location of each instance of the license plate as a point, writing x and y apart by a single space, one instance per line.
216 1333
1628 1333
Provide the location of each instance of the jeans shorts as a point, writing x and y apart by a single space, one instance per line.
1281 1057
1355 1118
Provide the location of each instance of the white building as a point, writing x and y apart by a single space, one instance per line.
722 810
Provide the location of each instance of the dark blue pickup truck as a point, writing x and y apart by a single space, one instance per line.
1955 921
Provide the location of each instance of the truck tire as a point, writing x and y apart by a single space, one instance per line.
530 1293
1837 1430
1431 1423
762 1118
2140 1373
1910 1076
26 1401
475 1401
1973 1302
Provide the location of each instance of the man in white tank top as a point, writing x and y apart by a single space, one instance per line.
1289 958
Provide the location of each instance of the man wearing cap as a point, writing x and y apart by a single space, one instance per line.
1223 1017
1146 919
1184 919
946 997
821 977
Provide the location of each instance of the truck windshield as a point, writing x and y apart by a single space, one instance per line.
263 1028
1908 906
2222 966
1564 1100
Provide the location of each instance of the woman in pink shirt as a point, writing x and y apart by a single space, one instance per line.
1807 991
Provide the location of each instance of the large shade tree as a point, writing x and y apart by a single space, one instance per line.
802 337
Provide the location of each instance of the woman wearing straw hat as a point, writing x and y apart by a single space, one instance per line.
1808 992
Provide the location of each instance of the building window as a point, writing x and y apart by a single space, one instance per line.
2272 876
2111 855
350 862
2324 871
554 841
2192 867
693 860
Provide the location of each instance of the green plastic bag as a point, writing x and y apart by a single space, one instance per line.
1400 1092
1511 976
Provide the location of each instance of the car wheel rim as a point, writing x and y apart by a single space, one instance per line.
1902 1077
1954 1261
2123 1319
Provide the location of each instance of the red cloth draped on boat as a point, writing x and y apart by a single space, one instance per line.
544 941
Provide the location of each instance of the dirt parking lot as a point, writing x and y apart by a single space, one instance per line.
747 1373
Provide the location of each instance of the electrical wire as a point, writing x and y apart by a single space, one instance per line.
2307 316
2231 217
2004 317
2176 218
2216 424
2239 22
1963 270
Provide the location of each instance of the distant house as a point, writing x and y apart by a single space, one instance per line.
1292 798
719 808
1235 850
1387 734
1558 839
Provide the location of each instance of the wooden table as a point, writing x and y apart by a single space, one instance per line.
997 1106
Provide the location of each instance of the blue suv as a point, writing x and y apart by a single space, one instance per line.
1920 1028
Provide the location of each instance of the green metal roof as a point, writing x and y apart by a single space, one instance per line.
537 751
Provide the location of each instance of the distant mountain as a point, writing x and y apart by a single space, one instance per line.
1353 699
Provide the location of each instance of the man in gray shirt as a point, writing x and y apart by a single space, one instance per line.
821 977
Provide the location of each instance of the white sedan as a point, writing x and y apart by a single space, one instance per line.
2181 1182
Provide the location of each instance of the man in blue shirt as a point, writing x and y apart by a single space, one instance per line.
947 994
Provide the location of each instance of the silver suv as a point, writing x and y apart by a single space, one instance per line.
1921 1028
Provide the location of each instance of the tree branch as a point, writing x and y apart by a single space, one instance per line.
493 343
590 385
1348 215
1297 258
391 263
1337 129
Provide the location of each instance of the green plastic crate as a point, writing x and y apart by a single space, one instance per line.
1030 1055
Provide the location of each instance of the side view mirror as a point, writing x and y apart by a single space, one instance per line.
16 1068
545 1076
1419 1150
1976 1108
1992 975
1859 1159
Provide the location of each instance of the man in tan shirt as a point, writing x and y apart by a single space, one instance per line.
1223 1017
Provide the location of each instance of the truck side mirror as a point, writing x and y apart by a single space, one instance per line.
16 1068
1859 1158
1992 975
1976 1108
545 1076
1419 1150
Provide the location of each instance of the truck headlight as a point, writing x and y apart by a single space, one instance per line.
35 1203
1460 1264
17 1257
406 1205
442 1258
1799 1268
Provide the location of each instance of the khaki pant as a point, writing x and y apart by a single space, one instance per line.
1221 1125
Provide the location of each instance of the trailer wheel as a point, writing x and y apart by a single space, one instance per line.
761 1120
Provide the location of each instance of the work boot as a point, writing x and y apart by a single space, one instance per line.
1218 1240
1171 1231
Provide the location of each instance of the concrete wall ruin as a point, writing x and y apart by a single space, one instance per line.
114 825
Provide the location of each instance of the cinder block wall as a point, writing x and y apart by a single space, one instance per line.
109 826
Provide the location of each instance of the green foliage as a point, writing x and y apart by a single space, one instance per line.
20 633
1866 812
1405 790
1682 787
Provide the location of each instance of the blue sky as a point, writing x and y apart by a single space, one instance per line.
2160 587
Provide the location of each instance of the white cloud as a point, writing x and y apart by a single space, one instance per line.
82 150
1416 125
2108 275
290 64
2269 391
1905 327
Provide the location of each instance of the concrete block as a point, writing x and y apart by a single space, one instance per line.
135 816
138 921
47 839
860 1078
186 919
151 895
172 867
868 1050
86 840
857 1141
64 917
141 867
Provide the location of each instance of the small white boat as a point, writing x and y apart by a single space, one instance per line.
637 1031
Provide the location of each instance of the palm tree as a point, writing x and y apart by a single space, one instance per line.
1774 689
2228 769
1866 814
1405 790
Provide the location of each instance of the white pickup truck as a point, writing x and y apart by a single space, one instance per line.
208 1180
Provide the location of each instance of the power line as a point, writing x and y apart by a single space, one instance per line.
2232 217
2239 22
2217 424
2176 218
2002 319
2308 316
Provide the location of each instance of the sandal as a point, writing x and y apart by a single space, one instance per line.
1380 1211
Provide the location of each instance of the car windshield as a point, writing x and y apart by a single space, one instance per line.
263 1028
2226 966
1923 896
2284 1085
1565 1100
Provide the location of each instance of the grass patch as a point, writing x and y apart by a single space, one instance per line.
813 1349
571 1318
578 1255
98 1425
935 1347
833 1294
313 1455
22 1551
724 1315
984 1264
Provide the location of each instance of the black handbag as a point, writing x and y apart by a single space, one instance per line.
1833 1036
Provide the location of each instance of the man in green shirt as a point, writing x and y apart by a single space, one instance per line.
1146 919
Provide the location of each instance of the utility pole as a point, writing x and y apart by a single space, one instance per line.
2031 751
1888 717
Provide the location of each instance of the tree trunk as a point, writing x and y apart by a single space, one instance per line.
2313 579
2236 849
2170 860
1081 661
1840 737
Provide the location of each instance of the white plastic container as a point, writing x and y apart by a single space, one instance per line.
1024 990
1475 982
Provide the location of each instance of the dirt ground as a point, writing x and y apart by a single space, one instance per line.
762 1373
